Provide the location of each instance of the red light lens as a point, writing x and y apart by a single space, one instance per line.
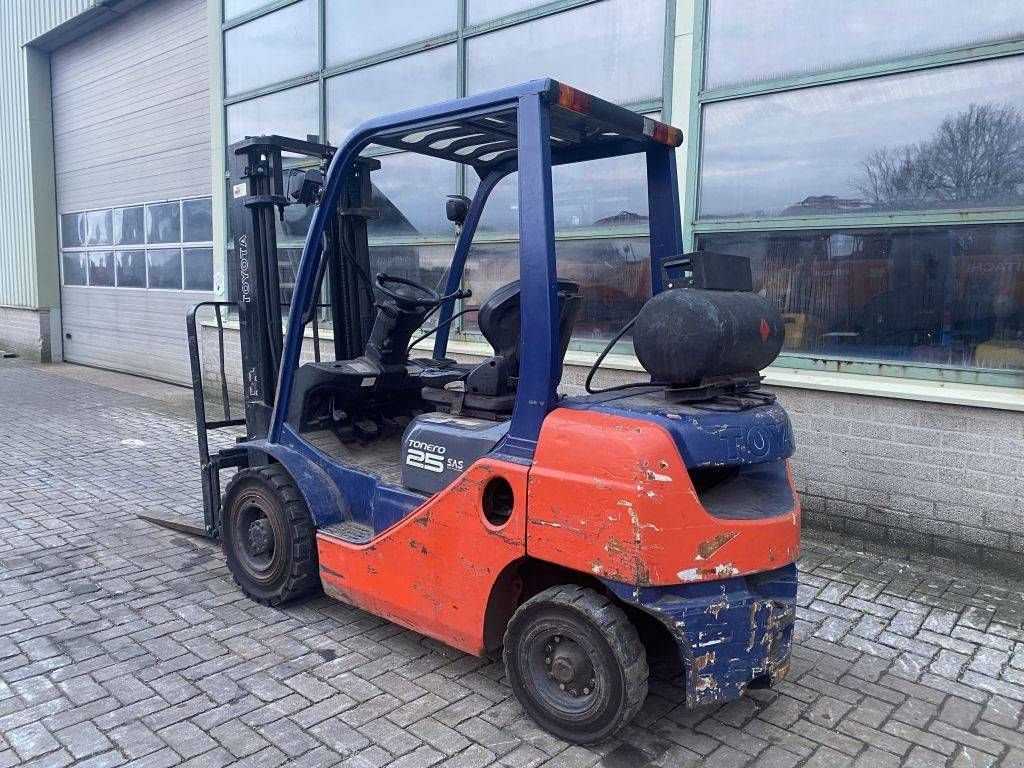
570 98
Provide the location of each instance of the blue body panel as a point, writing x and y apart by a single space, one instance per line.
732 634
336 492
705 438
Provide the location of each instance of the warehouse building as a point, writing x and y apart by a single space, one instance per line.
868 157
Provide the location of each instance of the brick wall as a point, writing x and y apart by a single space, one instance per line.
938 478
26 332
941 479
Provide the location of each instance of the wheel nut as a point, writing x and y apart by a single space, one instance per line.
558 639
561 686
586 691
547 660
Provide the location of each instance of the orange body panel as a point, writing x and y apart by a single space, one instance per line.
610 496
433 571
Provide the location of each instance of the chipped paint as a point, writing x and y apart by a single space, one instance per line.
723 571
708 548
717 607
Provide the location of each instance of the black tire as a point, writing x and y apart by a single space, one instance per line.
268 536
576 663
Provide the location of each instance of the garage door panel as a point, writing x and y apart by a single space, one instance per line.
131 120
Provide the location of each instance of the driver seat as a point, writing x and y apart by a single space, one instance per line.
488 388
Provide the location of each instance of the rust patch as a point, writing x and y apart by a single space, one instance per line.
754 608
706 683
715 608
701 662
707 548
614 546
413 544
641 576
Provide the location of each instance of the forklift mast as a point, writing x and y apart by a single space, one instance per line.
269 173
264 180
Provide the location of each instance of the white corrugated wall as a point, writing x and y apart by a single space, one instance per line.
20 22
131 125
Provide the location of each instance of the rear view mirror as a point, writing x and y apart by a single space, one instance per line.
456 208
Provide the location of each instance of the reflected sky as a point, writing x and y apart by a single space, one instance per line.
612 49
763 154
290 113
358 28
585 195
753 40
411 81
271 49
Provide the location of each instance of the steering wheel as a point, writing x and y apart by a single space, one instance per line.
420 297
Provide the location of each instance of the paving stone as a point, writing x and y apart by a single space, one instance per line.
122 643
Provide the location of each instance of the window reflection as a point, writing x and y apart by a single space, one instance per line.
164 268
128 226
101 268
271 49
290 113
97 228
613 49
411 81
945 138
383 24
74 268
951 296
163 223
751 40
409 191
598 193
130 267
614 276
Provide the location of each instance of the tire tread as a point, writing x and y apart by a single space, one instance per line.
304 576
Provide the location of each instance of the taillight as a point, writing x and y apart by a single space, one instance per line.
570 98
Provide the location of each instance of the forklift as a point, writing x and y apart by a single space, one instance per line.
471 502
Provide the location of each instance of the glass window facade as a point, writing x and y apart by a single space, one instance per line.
949 296
292 112
129 230
409 54
869 158
383 25
404 83
279 46
751 41
612 49
949 137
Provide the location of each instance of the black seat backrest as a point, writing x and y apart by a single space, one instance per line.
500 317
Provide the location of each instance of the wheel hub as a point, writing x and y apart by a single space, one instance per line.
259 537
569 666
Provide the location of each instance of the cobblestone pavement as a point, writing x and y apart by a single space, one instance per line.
122 643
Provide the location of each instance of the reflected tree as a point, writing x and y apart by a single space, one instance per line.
974 156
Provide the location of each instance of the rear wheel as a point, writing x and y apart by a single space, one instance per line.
268 536
575 663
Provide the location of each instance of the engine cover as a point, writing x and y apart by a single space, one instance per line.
438 447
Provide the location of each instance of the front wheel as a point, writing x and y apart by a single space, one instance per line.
576 663
268 536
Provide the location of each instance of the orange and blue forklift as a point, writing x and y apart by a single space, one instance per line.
472 502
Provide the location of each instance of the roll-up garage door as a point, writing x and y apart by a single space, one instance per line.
131 124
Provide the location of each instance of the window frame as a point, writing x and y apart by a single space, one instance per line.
462 33
180 245
694 227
